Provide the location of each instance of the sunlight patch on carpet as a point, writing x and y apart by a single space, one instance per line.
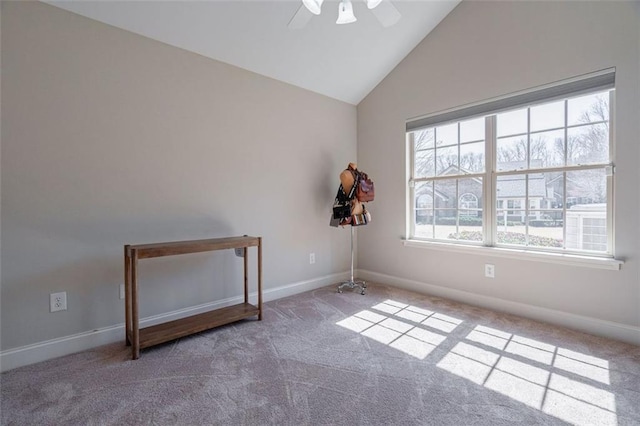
568 385
402 327
529 371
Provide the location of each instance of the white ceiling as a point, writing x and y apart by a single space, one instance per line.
344 62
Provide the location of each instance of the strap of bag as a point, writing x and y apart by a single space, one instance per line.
339 194
353 189
340 191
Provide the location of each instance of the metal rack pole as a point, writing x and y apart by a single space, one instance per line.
352 283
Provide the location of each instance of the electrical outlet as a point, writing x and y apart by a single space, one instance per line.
58 301
489 270
312 258
121 291
239 252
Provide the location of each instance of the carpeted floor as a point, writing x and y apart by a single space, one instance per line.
391 357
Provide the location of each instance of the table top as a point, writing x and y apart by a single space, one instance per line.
171 248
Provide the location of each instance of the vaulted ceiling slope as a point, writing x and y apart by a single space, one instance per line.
344 62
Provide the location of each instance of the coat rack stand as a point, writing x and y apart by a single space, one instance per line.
352 283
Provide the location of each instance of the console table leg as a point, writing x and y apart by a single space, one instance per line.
135 348
127 296
245 251
259 278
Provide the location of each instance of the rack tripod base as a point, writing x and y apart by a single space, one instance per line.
351 284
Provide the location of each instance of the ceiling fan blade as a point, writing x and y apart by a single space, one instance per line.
300 18
386 13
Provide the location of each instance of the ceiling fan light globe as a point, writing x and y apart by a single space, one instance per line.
314 6
345 13
373 3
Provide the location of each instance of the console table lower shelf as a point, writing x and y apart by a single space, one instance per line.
165 332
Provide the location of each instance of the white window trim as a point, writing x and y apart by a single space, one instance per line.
520 254
604 261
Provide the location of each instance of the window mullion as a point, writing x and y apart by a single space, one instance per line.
574 168
433 208
528 153
489 183
526 209
457 206
564 210
411 186
610 188
449 177
566 133
458 185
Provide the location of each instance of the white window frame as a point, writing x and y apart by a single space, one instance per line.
491 174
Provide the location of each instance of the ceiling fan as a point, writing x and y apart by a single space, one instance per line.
383 10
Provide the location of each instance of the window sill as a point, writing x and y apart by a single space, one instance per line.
560 258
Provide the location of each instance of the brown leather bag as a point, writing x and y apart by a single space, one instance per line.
366 191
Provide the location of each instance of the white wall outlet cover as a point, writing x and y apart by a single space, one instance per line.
58 301
489 270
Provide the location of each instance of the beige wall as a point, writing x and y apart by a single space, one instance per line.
109 138
480 51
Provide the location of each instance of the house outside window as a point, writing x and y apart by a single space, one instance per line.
424 209
468 205
536 175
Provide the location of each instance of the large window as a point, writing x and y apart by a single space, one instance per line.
532 171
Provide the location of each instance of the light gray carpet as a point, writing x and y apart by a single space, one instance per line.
391 357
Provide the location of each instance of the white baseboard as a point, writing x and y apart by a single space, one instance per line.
54 348
613 330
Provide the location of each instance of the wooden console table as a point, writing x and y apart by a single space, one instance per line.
149 336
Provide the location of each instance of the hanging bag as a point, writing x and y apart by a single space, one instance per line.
366 190
361 218
342 203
